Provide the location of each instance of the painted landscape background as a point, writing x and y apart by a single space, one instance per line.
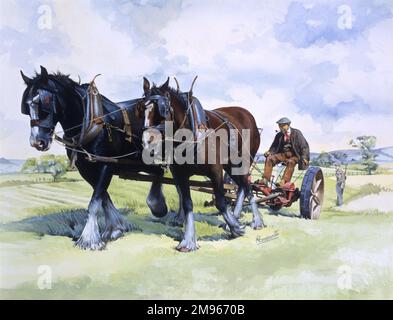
346 254
325 64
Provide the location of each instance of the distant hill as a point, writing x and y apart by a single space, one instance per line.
5 161
10 165
353 155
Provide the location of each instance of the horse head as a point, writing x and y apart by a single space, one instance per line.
155 108
40 103
49 99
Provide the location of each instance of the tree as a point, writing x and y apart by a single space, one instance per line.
366 145
340 156
55 165
56 169
52 164
30 165
324 159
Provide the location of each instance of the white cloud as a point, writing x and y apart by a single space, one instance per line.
371 77
231 46
12 16
205 31
271 106
95 47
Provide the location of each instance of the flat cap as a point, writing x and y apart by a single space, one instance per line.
283 121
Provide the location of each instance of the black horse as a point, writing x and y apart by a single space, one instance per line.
55 98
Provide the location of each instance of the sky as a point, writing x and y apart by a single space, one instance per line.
327 65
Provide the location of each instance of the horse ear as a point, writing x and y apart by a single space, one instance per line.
192 85
44 74
146 85
26 79
165 85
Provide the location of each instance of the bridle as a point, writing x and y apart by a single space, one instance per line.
44 101
164 107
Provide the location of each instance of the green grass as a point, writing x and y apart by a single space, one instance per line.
301 263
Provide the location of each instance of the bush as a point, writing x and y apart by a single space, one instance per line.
57 166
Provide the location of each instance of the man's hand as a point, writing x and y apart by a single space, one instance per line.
305 161
267 153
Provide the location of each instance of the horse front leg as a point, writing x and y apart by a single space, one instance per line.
189 242
90 237
179 218
115 223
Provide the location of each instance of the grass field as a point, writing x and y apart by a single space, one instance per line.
343 255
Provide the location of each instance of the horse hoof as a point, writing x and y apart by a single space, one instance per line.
187 246
90 245
112 235
116 234
237 231
257 225
237 215
225 227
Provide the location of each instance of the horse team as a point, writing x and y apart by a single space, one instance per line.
96 128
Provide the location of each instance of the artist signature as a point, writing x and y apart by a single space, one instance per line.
261 240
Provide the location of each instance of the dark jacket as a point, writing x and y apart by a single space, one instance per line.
299 145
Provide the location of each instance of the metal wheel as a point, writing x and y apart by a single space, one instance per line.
311 193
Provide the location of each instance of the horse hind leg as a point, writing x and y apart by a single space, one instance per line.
156 200
245 190
235 228
257 220
115 223
240 196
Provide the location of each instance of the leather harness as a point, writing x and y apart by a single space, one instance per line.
93 124
127 125
222 118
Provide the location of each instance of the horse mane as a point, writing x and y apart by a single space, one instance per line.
57 77
63 78
179 95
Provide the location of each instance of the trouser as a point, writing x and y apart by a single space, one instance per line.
340 192
288 158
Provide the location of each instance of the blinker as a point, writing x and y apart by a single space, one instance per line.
163 104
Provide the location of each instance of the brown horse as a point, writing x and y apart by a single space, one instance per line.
163 104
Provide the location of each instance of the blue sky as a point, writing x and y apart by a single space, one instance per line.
327 65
